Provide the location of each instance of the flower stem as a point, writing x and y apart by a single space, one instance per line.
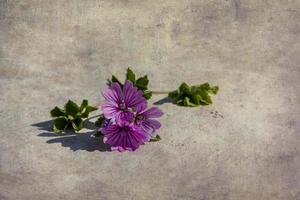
95 116
153 92
160 92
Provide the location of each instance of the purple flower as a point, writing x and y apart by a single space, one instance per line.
128 123
124 137
120 102
144 119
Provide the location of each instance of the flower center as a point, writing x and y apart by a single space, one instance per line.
139 119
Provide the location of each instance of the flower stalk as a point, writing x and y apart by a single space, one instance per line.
160 92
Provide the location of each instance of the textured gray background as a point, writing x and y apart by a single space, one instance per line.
246 146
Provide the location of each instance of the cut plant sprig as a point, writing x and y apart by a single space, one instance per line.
193 96
71 117
185 95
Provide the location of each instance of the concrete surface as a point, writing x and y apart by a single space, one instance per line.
246 146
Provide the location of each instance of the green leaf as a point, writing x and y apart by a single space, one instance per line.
57 112
77 124
83 105
205 98
184 88
115 79
196 99
147 94
91 109
180 102
174 94
60 124
155 139
87 111
130 75
187 102
71 108
142 83
204 86
214 90
72 116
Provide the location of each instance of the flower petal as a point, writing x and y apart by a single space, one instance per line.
111 129
109 109
125 117
153 112
141 107
124 137
132 96
118 90
110 96
150 126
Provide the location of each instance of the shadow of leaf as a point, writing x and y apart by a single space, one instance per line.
108 82
78 141
74 141
45 125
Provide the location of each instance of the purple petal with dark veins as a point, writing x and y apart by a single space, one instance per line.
141 107
132 96
124 138
109 109
150 126
153 112
118 90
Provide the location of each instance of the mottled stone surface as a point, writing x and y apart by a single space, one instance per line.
246 146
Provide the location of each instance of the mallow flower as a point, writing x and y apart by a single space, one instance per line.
144 119
128 123
124 137
120 102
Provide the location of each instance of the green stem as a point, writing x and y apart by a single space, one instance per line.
94 116
153 92
160 92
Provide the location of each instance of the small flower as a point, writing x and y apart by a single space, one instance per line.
144 119
120 102
124 137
